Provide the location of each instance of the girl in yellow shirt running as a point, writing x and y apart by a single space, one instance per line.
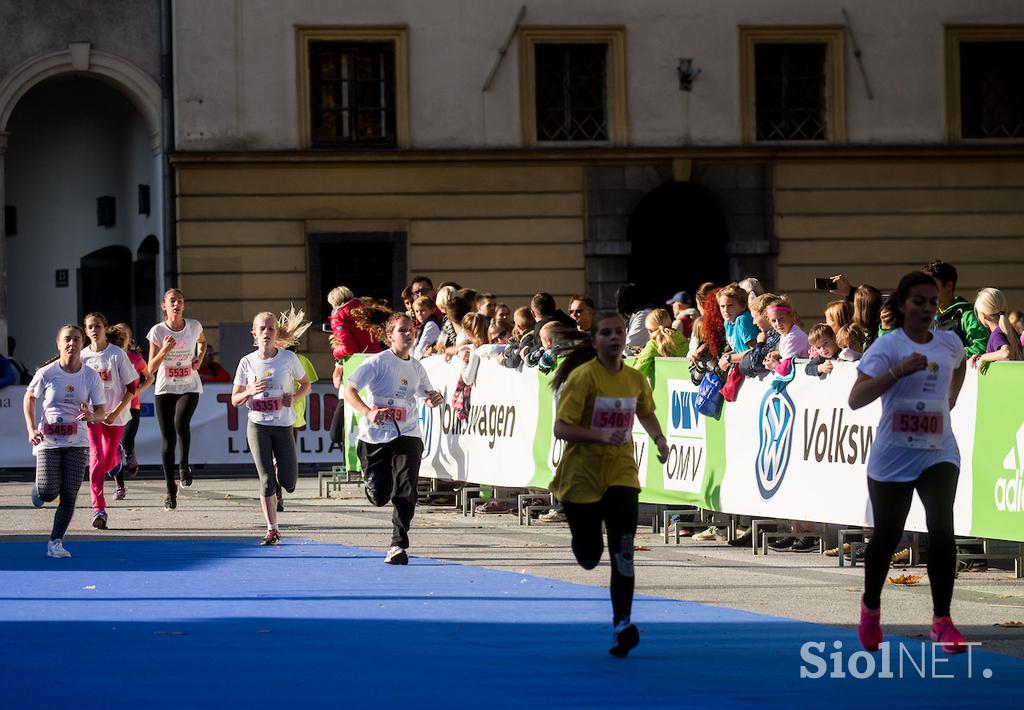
597 477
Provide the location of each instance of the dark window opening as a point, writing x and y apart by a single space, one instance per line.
991 90
369 263
571 92
790 92
352 94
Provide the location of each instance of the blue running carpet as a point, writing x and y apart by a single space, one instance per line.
224 624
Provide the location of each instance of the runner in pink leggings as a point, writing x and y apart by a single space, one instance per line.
120 381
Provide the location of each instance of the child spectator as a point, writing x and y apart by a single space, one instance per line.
955 313
740 331
838 314
823 339
486 305
455 310
499 332
752 364
407 300
665 341
850 339
867 307
792 341
990 305
349 338
429 329
524 322
503 314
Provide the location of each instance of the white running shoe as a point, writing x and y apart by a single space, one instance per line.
397 556
55 548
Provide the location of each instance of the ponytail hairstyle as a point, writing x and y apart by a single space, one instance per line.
290 327
660 323
120 334
474 327
867 308
377 320
584 351
992 303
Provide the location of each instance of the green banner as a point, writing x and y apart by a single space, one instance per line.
997 500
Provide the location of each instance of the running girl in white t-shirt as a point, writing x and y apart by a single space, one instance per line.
72 396
390 443
265 382
918 373
177 346
120 381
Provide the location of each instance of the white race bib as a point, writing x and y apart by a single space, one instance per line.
918 423
614 414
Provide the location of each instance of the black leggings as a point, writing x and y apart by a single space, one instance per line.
891 502
618 510
174 414
128 438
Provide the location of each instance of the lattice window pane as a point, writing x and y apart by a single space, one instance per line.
358 78
571 92
790 91
992 89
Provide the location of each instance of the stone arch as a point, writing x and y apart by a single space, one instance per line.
79 58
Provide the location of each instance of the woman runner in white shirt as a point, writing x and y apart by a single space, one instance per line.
265 382
918 373
120 381
390 443
177 347
72 396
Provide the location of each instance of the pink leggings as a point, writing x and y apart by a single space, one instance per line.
103 456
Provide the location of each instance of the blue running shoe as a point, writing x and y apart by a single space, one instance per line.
36 500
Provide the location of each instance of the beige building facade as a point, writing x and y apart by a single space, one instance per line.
573 149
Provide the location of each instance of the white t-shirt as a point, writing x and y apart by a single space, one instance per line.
914 432
175 374
116 373
59 398
793 344
394 383
283 370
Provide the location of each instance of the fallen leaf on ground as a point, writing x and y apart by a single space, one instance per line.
641 548
1011 624
907 579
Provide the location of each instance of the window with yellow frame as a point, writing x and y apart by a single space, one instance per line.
984 83
572 85
792 85
353 87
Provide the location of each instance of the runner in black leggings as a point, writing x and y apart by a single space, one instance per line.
176 348
918 374
597 478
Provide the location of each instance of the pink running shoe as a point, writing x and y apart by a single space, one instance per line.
943 632
870 630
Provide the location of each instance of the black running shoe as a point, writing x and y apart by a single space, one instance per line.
783 543
625 638
186 475
170 502
805 544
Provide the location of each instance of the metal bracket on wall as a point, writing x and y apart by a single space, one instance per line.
504 48
857 54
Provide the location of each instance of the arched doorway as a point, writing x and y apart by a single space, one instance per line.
75 125
677 235
78 152
145 285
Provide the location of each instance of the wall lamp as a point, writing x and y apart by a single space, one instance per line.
687 73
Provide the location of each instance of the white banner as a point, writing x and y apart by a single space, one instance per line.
218 430
496 439
802 453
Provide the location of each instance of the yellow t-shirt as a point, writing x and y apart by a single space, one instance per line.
594 398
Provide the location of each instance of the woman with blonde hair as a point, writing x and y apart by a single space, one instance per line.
266 382
838 314
665 341
990 305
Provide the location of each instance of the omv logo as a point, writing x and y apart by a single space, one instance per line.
777 415
683 418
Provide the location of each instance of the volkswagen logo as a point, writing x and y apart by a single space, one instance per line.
775 433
